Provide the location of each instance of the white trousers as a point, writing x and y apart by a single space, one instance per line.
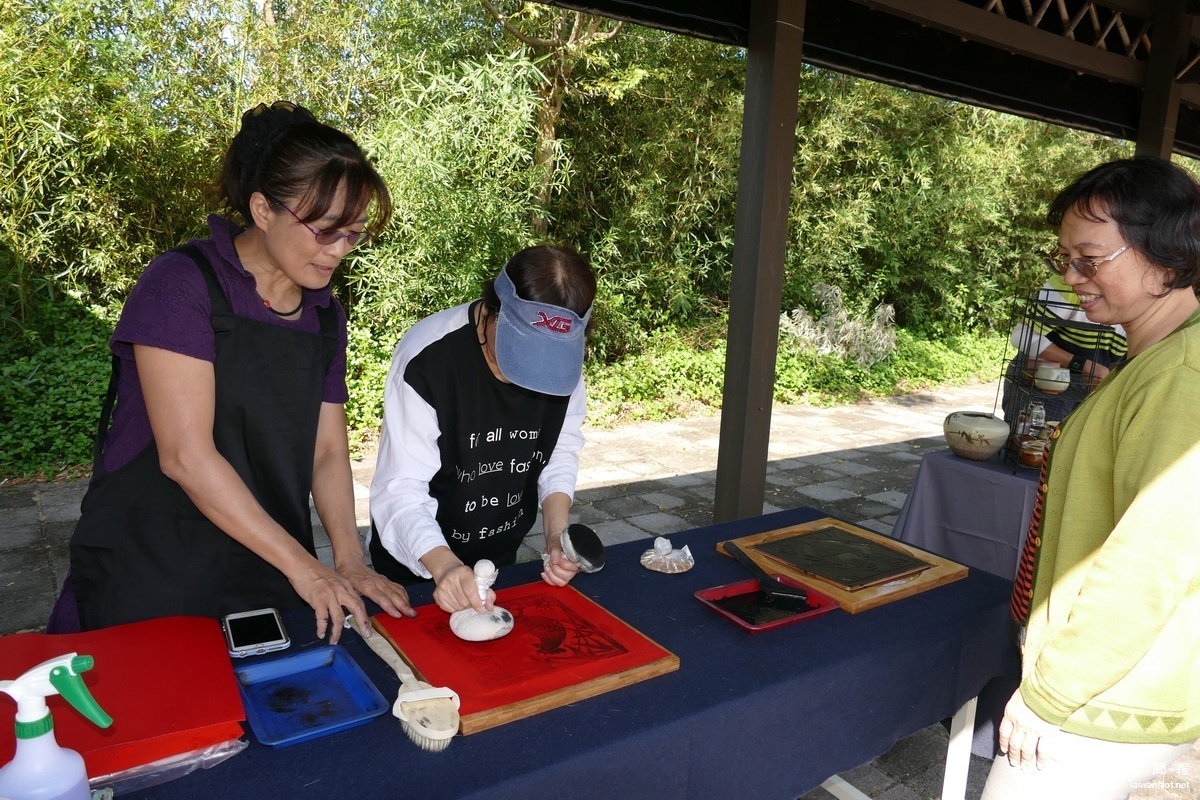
1087 769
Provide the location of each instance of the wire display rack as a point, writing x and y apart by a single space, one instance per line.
1032 405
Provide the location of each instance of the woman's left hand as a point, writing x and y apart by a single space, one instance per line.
559 569
391 597
1024 735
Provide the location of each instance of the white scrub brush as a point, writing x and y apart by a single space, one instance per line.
428 714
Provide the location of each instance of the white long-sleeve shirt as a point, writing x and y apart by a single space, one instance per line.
458 448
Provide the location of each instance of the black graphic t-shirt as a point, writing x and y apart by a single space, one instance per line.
498 449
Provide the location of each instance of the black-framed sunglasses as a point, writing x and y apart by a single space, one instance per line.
1087 267
331 236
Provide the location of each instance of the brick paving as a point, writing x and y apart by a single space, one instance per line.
639 481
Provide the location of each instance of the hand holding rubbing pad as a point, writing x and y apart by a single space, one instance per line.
581 544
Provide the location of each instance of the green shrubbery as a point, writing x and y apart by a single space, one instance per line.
668 377
52 384
832 356
672 377
368 357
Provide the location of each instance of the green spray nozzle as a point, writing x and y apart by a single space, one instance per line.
69 683
61 675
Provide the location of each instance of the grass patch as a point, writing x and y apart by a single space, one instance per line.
671 378
52 382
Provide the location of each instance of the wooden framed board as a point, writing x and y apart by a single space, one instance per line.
563 648
941 570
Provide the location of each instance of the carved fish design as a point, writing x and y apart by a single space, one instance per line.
550 633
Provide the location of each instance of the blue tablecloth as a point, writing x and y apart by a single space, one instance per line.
767 715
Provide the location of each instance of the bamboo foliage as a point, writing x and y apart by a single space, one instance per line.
457 147
560 40
114 113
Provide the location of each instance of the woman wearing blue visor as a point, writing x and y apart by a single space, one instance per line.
481 427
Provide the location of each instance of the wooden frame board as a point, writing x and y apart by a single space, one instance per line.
941 570
563 648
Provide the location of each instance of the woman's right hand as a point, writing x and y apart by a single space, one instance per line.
1024 736
331 597
456 589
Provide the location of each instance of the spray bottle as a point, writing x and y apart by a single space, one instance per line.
41 770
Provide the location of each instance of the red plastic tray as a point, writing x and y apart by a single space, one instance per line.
756 617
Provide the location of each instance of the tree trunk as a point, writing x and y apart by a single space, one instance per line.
566 44
548 113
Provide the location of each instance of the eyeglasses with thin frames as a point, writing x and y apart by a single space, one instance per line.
1087 267
331 236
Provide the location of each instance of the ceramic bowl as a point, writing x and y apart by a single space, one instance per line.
1032 365
1052 379
975 434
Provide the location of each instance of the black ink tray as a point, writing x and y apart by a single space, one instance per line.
298 697
746 604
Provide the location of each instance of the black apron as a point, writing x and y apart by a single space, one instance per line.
142 549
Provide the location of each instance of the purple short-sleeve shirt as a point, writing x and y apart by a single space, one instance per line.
169 308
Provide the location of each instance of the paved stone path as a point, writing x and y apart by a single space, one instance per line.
639 481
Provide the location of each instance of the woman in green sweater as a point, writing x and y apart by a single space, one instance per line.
1107 597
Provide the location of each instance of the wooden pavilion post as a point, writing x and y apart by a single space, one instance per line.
773 65
1161 93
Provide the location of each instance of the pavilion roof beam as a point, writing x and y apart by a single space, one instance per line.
1013 36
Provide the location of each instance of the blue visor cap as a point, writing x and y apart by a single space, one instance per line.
538 346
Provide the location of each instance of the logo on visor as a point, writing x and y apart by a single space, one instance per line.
556 324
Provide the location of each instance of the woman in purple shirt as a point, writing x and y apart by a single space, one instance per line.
228 378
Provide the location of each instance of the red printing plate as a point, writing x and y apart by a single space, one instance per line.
729 599
564 647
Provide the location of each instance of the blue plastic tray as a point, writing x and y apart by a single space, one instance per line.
299 697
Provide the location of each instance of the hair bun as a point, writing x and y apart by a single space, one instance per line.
263 126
